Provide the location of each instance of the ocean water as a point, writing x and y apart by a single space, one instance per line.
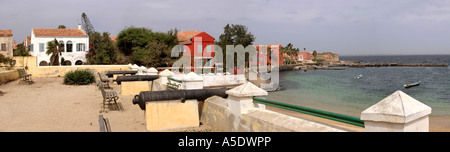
337 90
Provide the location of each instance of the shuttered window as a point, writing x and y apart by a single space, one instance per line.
41 47
81 47
3 47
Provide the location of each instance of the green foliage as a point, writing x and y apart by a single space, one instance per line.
314 54
52 48
146 47
318 60
4 59
291 51
86 24
102 50
133 37
235 35
21 50
79 77
153 54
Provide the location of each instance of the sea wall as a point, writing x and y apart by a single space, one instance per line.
216 114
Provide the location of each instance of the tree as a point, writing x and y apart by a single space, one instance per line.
154 54
134 38
235 35
52 48
290 50
21 50
86 24
102 49
314 54
61 27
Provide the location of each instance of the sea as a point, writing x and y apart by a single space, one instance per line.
339 92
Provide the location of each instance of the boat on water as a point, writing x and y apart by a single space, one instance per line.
360 76
411 84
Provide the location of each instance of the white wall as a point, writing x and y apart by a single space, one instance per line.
71 56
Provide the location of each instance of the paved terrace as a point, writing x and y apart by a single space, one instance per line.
49 105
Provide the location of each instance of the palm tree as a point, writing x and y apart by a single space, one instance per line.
314 54
52 48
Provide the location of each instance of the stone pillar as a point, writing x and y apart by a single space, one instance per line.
152 71
142 70
240 98
398 112
135 68
192 81
162 80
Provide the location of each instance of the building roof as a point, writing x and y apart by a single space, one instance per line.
184 37
58 32
6 33
114 38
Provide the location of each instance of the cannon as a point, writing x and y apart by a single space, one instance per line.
111 73
119 79
183 95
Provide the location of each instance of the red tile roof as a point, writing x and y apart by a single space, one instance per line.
6 33
185 36
114 38
59 32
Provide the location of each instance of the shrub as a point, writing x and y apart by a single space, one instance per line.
79 77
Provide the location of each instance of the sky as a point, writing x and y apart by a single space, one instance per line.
346 27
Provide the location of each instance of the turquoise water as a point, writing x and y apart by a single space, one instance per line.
337 90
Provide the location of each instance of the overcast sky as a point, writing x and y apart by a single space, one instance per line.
347 27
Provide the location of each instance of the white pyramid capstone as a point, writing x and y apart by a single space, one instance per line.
396 108
247 90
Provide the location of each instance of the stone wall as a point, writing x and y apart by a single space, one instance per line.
216 114
30 63
6 76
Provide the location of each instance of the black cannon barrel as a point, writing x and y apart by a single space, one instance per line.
183 95
111 73
119 79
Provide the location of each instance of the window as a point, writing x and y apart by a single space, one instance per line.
80 47
61 46
69 46
208 48
41 47
3 46
200 48
31 47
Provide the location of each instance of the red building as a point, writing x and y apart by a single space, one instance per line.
304 56
266 57
200 44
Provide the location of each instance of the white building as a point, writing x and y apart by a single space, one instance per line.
73 43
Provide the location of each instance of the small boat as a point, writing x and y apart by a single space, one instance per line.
360 76
412 84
